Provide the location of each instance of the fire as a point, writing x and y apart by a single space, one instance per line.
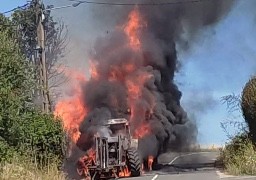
93 70
150 162
91 153
72 110
135 85
142 130
115 74
135 90
125 172
84 163
118 73
128 68
131 29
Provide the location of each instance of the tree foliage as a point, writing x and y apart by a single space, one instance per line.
239 155
23 130
249 106
6 25
55 42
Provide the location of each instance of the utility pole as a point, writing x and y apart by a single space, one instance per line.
42 57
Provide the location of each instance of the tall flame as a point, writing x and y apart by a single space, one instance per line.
131 29
136 83
72 110
93 70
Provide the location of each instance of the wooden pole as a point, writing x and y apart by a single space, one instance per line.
42 59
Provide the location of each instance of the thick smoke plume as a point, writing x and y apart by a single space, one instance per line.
133 69
133 72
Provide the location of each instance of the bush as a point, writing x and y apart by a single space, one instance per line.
41 136
23 130
6 152
239 156
248 105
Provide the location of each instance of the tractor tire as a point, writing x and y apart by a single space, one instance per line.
133 162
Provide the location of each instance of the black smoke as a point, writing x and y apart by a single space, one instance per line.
159 102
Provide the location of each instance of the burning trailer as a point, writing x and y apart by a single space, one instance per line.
111 156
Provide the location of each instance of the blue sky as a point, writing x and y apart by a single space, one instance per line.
7 5
220 62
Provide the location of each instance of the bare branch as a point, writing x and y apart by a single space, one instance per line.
233 102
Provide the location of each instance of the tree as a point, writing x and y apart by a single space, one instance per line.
55 44
6 25
249 106
23 130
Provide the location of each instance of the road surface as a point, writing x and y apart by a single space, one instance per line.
188 166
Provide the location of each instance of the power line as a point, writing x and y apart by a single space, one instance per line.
142 4
115 4
122 4
19 7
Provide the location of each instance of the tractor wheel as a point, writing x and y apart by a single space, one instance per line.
133 162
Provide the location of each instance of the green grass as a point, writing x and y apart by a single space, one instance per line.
239 156
20 169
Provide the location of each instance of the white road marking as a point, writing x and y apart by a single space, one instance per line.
223 176
155 177
174 159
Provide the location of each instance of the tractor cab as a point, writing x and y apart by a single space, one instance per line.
119 126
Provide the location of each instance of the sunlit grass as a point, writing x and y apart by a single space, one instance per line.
239 157
20 169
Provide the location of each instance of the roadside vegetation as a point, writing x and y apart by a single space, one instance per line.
239 154
27 169
32 143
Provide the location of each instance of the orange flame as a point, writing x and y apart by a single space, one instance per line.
72 110
136 85
142 130
131 29
128 68
91 153
118 73
135 90
84 163
125 172
93 70
150 162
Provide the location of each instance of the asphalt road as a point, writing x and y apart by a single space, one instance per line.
188 166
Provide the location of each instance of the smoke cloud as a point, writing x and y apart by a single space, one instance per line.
152 69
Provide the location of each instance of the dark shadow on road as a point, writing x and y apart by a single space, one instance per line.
183 168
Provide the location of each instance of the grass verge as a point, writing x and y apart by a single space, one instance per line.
239 156
22 169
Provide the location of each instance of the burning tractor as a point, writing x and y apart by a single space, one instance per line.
113 156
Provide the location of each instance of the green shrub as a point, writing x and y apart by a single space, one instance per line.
41 136
23 130
249 105
239 156
6 152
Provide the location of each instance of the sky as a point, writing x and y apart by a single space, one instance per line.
7 5
220 62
